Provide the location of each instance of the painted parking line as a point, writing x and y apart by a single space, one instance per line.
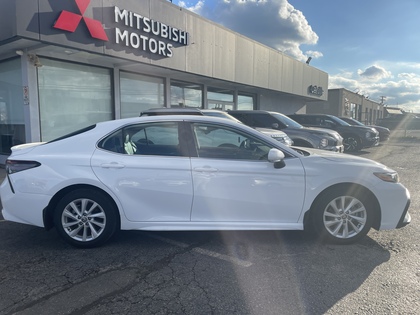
202 251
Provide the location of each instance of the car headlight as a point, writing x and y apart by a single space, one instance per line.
391 177
323 143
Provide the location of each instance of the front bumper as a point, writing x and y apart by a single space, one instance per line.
371 142
405 217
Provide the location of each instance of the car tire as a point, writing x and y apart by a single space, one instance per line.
342 215
86 218
352 144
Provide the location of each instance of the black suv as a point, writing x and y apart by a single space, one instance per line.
355 137
324 139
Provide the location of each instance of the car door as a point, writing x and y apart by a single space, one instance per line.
149 171
234 182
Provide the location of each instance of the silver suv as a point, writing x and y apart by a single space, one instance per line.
318 138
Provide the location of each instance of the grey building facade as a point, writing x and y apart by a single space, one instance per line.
67 64
342 102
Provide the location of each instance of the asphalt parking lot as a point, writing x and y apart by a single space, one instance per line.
220 272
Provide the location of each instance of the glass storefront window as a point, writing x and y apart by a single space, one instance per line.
140 92
72 96
12 121
186 94
245 102
220 99
216 94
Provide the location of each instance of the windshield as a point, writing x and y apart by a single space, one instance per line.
289 122
353 122
339 121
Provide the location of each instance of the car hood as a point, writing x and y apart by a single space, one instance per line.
360 128
323 131
338 158
270 131
313 131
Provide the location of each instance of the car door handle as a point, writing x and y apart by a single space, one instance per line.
112 165
206 169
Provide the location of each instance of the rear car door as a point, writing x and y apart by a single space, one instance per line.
148 168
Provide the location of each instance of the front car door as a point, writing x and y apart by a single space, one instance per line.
234 182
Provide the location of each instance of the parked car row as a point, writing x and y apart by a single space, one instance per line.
318 138
317 131
275 134
355 137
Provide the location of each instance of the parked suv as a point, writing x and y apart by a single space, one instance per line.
275 134
384 133
355 137
304 137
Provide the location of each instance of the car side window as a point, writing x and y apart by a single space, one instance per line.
263 120
113 142
220 142
328 123
145 139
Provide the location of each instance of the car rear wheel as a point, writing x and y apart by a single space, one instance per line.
342 216
352 144
86 218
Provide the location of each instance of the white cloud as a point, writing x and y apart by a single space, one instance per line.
374 73
275 23
196 8
402 90
314 54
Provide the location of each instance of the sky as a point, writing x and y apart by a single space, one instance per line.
371 47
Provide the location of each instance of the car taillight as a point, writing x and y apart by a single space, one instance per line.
14 166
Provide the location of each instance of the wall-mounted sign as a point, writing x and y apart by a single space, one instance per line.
315 90
69 21
133 30
147 34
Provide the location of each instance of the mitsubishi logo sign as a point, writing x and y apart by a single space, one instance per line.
126 28
69 21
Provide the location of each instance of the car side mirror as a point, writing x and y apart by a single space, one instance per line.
276 157
275 125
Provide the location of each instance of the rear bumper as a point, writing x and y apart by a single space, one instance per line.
16 205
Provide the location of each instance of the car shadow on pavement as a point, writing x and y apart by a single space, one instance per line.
289 270
290 263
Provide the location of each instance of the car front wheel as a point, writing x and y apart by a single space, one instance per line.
85 218
341 216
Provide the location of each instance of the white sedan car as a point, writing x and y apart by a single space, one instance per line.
189 173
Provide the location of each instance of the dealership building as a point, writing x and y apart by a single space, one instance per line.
68 64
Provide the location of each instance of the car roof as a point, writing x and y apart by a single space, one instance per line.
171 111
